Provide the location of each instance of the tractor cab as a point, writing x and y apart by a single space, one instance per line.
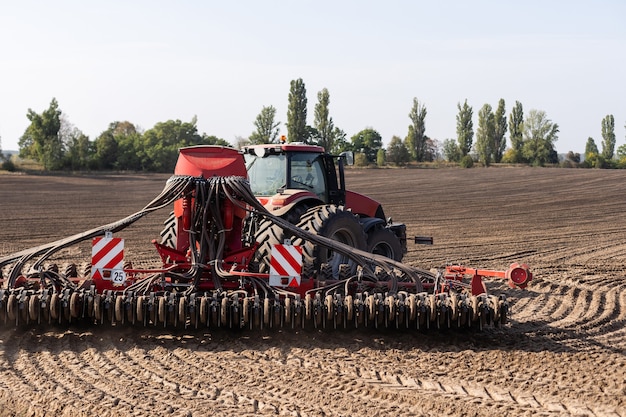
284 175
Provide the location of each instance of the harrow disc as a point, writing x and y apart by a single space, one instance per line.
12 307
34 307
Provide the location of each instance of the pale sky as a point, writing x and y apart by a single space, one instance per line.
153 61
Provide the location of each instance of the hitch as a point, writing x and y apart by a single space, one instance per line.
423 240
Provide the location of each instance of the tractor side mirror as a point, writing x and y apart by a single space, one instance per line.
348 157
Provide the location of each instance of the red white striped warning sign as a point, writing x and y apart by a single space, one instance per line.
285 266
107 256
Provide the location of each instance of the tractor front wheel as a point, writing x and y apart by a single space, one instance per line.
382 241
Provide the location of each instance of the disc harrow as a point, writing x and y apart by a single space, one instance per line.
212 282
214 309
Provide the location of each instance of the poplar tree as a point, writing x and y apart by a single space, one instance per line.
464 128
499 141
485 134
591 149
416 137
323 123
516 126
296 113
608 137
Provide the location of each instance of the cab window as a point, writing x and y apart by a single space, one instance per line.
307 173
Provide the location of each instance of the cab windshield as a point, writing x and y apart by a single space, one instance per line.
267 174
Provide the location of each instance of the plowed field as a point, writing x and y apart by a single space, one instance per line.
564 352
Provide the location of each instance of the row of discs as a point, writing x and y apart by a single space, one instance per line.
222 310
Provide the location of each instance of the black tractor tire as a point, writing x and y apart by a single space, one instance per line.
267 235
382 241
335 223
169 232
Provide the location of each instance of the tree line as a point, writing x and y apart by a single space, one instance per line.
532 138
58 145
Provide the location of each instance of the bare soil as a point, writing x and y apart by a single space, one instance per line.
564 352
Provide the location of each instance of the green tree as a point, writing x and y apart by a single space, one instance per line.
591 149
500 126
539 137
296 112
485 134
131 151
79 150
608 137
266 129
106 150
416 138
360 160
341 143
368 141
163 141
213 140
380 158
397 152
451 150
41 140
464 128
323 123
516 132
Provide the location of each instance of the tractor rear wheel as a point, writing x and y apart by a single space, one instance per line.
335 223
382 241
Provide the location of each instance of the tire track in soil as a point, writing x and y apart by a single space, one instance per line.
272 379
163 386
581 317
